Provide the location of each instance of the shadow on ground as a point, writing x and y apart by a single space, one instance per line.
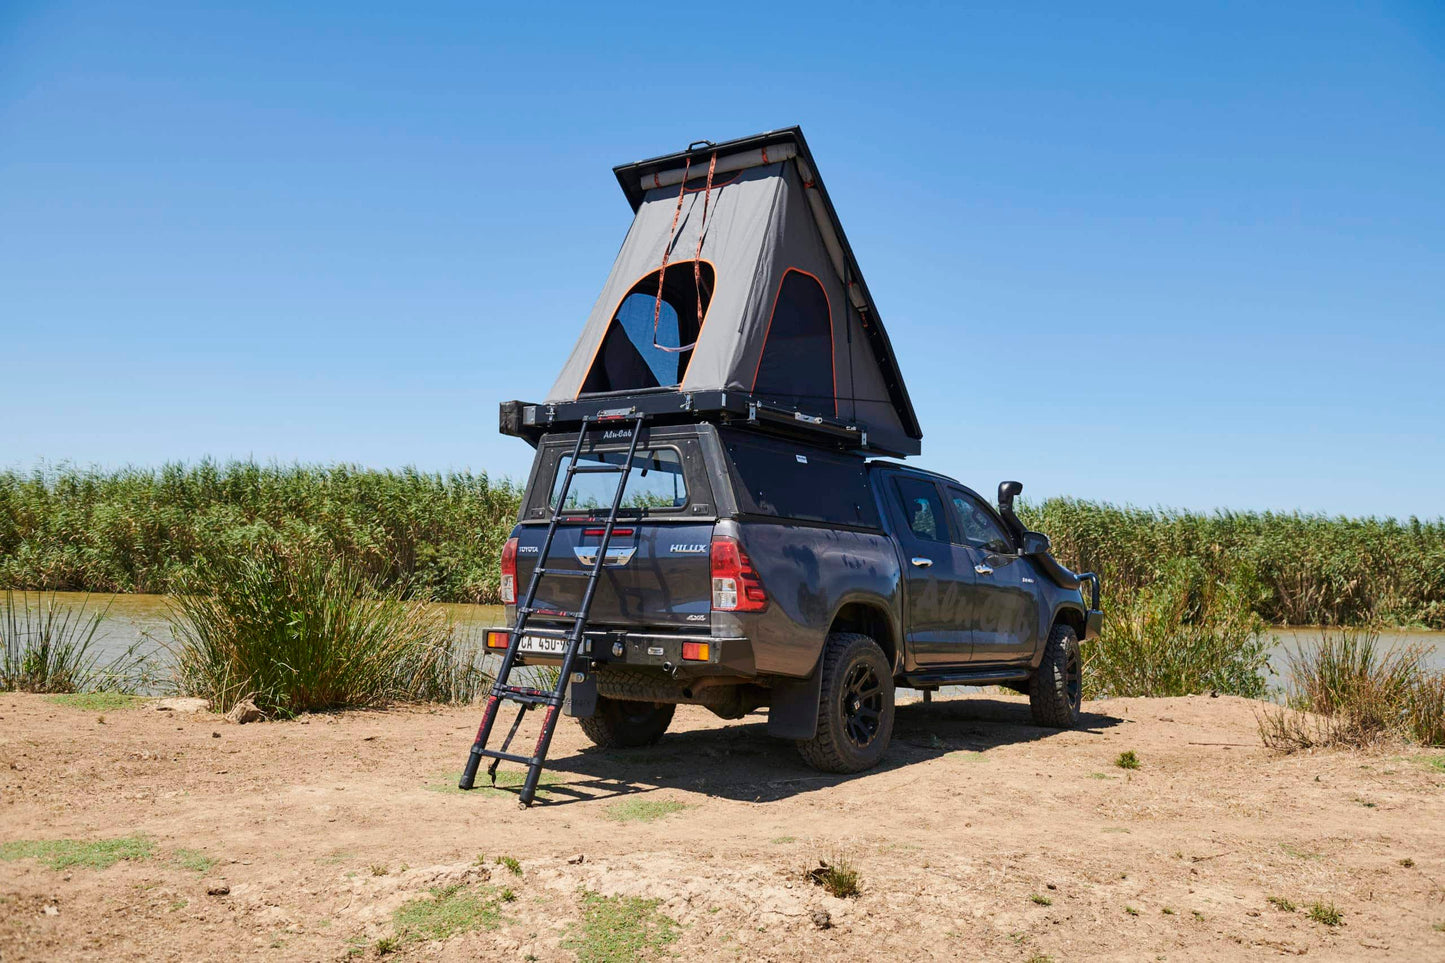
739 760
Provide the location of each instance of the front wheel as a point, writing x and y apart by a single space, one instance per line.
855 706
1056 690
623 724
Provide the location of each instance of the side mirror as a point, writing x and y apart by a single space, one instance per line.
1035 543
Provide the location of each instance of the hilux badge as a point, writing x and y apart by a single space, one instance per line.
694 548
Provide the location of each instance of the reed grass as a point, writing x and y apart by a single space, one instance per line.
1311 569
50 646
432 536
1346 689
439 537
294 630
1186 632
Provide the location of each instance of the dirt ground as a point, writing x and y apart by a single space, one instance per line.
981 838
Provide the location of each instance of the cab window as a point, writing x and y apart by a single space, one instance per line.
977 525
922 509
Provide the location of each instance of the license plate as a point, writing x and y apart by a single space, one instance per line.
542 645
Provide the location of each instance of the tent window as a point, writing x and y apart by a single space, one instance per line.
796 367
628 359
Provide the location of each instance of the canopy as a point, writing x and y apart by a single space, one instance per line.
760 293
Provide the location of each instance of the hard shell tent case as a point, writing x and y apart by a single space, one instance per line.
769 223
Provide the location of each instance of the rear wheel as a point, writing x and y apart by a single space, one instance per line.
1056 690
621 724
855 706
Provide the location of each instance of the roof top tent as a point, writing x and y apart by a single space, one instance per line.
735 297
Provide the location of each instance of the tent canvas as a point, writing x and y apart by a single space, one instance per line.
760 294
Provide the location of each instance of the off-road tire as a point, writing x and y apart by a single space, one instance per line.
1056 689
851 660
621 724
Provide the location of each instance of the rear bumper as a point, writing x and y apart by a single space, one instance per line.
727 656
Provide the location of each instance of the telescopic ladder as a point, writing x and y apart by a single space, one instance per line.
528 697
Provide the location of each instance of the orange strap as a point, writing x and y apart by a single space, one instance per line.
666 251
697 256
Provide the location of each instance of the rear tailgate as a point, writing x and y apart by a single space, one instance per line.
656 573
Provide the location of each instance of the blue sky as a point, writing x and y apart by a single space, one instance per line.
1134 252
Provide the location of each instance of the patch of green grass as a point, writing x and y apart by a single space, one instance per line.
386 945
448 911
1434 762
642 810
781 840
513 867
1040 900
619 929
507 779
837 878
1439 927
1100 775
1114 829
96 701
193 859
1131 911
1167 911
377 869
65 853
1040 958
1365 802
1198 916
1326 913
1298 853
1128 759
1280 903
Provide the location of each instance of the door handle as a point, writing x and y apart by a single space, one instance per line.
921 562
983 570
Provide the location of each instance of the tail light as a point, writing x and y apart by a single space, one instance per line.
509 572
736 586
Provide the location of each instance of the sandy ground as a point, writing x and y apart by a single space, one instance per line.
975 813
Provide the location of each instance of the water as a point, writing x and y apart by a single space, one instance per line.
140 620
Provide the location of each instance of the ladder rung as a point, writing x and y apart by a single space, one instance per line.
529 610
528 698
508 756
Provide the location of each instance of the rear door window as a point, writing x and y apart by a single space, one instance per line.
923 510
656 482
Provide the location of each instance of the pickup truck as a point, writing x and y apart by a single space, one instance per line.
751 571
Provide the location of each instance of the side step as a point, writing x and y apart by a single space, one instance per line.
985 676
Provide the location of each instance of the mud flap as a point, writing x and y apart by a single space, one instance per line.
793 707
581 700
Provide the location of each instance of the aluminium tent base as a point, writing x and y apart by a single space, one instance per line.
529 421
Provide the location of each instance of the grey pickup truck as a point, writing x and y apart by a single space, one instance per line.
750 571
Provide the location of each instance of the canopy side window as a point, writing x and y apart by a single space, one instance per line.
796 366
632 356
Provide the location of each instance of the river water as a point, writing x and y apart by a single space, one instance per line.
141 620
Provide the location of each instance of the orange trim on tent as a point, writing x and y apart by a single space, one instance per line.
618 307
832 341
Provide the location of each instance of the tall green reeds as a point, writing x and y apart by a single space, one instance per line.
1312 569
1185 632
294 630
50 646
1347 689
143 530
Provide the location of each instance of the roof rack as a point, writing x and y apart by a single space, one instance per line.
528 420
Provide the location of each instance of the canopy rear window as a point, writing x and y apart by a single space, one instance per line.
656 482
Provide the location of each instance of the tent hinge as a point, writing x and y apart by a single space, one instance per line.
752 411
